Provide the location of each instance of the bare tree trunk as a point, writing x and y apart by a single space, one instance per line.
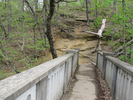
48 32
84 3
123 7
99 34
35 36
115 4
89 2
5 3
2 27
22 49
87 12
131 53
66 6
100 30
34 14
36 5
9 17
23 5
58 6
44 20
96 9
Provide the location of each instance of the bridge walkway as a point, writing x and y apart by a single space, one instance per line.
84 84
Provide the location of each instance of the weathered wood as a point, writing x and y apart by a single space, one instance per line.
84 19
93 63
102 28
100 35
100 31
90 32
98 45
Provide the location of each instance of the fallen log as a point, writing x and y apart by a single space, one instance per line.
84 19
99 34
100 31
102 28
90 32
93 63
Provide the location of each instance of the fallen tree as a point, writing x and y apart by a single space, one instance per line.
99 34
128 47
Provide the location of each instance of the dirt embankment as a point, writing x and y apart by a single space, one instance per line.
86 42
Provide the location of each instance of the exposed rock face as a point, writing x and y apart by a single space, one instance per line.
81 41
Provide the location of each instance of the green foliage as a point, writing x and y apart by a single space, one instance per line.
122 57
116 18
97 22
21 37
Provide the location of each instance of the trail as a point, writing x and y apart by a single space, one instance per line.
84 85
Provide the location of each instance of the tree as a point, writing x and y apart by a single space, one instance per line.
87 12
48 30
9 17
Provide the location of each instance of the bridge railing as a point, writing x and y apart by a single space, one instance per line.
118 75
48 81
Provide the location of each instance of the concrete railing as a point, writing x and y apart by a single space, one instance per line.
48 81
118 75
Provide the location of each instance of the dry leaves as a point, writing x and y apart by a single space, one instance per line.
105 93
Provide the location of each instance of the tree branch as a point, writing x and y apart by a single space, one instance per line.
58 1
123 47
90 32
24 53
100 31
65 1
30 8
34 14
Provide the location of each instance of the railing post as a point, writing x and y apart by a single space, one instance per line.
71 51
65 77
66 69
113 92
97 57
41 89
77 55
105 61
131 54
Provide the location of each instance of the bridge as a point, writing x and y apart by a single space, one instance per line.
64 78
